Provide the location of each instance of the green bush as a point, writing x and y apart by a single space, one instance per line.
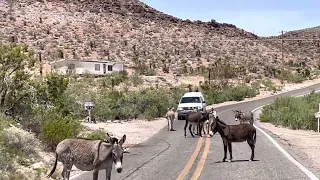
97 135
291 77
293 112
270 86
229 93
149 103
56 130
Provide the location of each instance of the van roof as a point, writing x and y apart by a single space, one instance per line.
192 94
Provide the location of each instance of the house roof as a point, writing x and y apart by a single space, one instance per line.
70 60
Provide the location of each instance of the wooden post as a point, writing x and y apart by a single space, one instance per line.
318 124
319 120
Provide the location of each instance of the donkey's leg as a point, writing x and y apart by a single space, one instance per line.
190 126
63 173
108 173
200 129
185 128
252 146
168 120
171 123
95 174
68 166
230 151
225 150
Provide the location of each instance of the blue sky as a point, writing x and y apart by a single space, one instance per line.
264 18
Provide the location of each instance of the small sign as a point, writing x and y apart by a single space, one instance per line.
317 114
88 105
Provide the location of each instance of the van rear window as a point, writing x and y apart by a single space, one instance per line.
190 100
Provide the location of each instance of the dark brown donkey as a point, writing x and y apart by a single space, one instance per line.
234 133
196 118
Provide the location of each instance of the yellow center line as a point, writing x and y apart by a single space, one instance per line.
200 166
187 168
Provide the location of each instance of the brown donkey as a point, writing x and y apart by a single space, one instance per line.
234 133
196 118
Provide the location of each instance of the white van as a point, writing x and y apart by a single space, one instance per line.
189 101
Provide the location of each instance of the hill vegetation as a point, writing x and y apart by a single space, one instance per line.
146 40
38 112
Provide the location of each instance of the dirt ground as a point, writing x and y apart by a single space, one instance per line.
140 130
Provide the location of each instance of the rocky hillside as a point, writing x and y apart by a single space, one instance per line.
304 44
135 33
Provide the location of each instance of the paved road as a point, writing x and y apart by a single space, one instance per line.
165 155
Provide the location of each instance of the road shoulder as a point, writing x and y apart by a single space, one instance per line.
302 145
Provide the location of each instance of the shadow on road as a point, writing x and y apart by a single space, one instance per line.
240 160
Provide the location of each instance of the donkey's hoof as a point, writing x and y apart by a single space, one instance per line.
250 159
229 160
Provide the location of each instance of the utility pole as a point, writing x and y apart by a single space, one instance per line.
282 56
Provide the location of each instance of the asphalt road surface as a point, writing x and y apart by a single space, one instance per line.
171 156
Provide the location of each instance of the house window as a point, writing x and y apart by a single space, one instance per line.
97 67
110 68
71 66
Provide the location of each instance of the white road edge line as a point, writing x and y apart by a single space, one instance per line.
285 153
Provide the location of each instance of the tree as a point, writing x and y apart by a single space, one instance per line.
17 65
51 91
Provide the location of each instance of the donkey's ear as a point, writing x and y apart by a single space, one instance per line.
233 111
123 139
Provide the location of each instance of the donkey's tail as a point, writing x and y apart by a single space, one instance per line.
54 167
254 137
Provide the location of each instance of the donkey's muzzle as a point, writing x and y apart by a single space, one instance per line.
119 170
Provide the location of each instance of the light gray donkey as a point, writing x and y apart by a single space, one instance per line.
170 118
243 117
88 155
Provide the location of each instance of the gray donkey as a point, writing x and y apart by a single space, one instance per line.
243 116
88 155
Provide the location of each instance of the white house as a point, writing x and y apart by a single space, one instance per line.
65 67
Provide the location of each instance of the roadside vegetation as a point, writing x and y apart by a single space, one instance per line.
293 112
42 111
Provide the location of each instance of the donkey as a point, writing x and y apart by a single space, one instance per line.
170 118
213 114
243 116
234 133
196 118
88 155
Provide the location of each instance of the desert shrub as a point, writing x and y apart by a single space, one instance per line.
6 159
270 86
148 103
17 139
229 93
291 77
114 79
97 134
292 112
56 130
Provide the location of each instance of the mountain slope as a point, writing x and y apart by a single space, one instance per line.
304 44
132 32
